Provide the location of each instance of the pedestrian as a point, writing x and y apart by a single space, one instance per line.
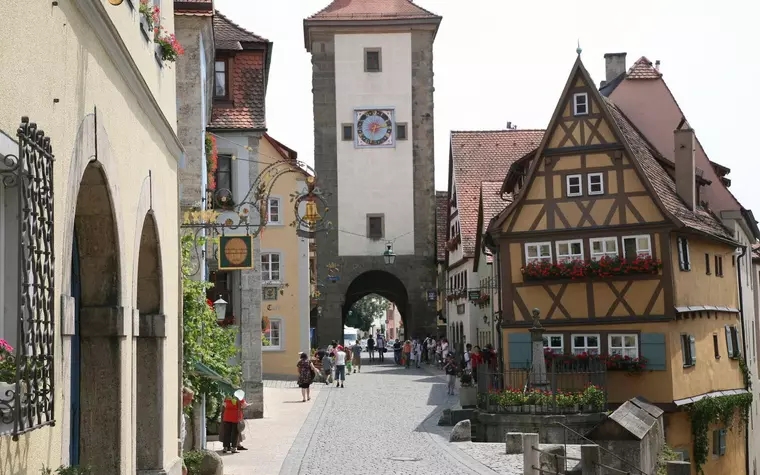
439 353
356 351
327 366
467 357
476 359
416 352
340 367
380 342
371 348
231 417
450 367
349 360
431 350
306 374
407 353
397 351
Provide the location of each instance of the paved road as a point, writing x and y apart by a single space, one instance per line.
383 421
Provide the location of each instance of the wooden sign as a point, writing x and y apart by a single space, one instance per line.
235 252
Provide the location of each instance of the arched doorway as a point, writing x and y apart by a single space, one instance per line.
149 439
99 327
383 284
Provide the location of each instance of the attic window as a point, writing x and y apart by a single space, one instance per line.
372 60
580 103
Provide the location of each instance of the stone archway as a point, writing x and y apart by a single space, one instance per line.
383 284
150 336
99 327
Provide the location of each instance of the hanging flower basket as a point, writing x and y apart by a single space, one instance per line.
453 243
484 300
168 47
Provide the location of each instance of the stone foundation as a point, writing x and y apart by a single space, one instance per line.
494 427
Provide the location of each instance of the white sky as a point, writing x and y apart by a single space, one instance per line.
499 61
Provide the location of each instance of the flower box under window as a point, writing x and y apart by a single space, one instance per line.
604 267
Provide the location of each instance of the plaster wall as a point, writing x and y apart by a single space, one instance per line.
375 179
678 437
130 146
696 287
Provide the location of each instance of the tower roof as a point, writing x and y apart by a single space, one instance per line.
370 13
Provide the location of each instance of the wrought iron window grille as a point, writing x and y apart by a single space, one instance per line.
28 404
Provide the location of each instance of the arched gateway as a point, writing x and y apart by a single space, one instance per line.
373 153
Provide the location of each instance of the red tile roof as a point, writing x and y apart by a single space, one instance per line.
493 202
231 36
477 155
372 10
643 69
441 222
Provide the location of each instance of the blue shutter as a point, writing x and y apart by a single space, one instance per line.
653 349
520 350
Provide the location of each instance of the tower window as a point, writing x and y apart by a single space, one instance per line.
580 103
372 60
401 132
375 226
347 132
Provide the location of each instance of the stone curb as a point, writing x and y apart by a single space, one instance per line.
297 452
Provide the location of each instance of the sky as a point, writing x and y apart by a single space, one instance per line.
497 61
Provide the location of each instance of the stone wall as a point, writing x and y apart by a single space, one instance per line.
416 272
494 427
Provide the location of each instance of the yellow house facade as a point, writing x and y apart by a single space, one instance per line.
285 266
95 244
611 244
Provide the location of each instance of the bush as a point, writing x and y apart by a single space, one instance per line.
62 470
193 461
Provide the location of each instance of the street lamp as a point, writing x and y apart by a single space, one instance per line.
389 255
221 309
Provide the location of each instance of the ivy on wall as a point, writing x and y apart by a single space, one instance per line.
710 410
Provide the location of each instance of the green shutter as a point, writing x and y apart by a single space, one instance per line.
653 349
520 350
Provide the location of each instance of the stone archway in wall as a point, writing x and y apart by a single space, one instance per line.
150 336
381 283
100 325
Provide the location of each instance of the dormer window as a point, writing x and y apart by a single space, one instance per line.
580 103
220 79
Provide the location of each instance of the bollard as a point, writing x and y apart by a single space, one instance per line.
531 458
678 468
514 443
591 457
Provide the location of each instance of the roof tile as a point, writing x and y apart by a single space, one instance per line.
248 84
700 220
372 10
226 31
643 69
493 202
477 155
441 222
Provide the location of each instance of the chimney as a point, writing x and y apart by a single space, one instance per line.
684 157
657 65
614 65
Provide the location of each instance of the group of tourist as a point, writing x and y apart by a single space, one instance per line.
336 362
428 350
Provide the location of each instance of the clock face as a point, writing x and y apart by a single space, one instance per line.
374 128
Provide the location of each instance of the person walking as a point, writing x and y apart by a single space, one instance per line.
327 367
380 347
356 350
439 354
340 367
231 417
407 353
397 352
306 373
450 367
416 352
431 350
371 348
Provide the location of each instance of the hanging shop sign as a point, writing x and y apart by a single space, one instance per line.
235 252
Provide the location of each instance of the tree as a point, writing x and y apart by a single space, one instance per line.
365 311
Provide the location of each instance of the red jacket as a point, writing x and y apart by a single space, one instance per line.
233 411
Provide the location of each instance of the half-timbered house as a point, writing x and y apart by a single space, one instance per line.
621 260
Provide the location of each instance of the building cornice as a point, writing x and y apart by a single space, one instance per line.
97 17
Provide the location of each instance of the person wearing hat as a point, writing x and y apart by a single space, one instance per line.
340 367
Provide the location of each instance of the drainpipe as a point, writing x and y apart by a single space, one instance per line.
501 313
744 344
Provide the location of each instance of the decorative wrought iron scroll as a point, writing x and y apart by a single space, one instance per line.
220 214
28 404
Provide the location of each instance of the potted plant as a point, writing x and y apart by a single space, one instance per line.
468 394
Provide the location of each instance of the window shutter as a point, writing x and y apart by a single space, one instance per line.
520 350
681 260
735 341
729 342
687 256
693 349
653 349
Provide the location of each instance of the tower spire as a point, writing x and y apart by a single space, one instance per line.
578 49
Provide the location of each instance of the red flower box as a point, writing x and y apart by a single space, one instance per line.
604 267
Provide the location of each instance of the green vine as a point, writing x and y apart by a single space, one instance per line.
710 410
745 373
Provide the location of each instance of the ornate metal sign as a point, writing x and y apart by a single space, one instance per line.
235 252
309 221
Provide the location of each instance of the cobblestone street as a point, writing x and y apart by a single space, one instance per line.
383 421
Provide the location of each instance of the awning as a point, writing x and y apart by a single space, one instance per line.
204 371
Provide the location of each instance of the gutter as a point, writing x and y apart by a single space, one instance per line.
744 344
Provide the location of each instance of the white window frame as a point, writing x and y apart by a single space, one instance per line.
605 252
538 245
590 185
586 348
623 349
279 210
579 185
577 103
556 350
684 253
269 277
569 257
280 335
638 251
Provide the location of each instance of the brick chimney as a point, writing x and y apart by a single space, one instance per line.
684 157
614 66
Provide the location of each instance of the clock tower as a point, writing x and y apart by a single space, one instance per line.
372 85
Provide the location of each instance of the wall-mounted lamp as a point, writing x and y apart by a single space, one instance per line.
389 255
485 318
221 309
